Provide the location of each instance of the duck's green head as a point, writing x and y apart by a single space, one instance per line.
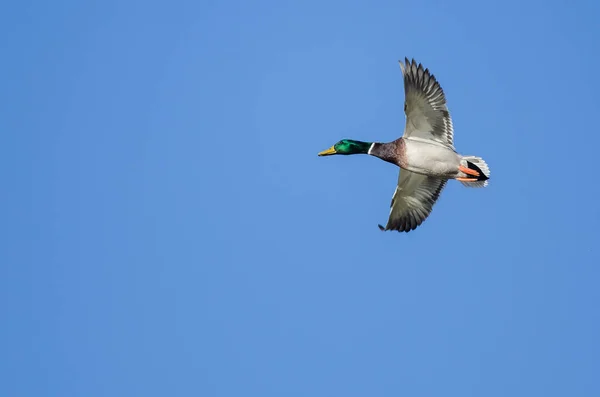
347 146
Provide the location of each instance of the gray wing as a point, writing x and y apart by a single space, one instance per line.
413 200
427 115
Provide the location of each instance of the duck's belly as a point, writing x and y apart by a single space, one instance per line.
431 159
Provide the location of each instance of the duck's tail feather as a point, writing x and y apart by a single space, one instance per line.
479 165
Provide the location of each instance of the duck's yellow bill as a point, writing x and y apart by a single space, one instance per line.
328 152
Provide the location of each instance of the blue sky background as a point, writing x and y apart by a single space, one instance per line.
168 229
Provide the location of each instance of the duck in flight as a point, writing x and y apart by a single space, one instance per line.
425 153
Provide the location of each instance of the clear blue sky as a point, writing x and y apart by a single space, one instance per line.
168 229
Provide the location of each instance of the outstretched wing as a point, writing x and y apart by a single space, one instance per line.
413 200
427 115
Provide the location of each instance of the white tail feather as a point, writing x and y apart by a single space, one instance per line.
482 165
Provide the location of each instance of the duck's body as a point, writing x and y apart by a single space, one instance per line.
420 156
425 152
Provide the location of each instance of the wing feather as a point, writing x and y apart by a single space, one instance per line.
413 200
427 115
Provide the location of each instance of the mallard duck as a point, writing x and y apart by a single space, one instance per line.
425 153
